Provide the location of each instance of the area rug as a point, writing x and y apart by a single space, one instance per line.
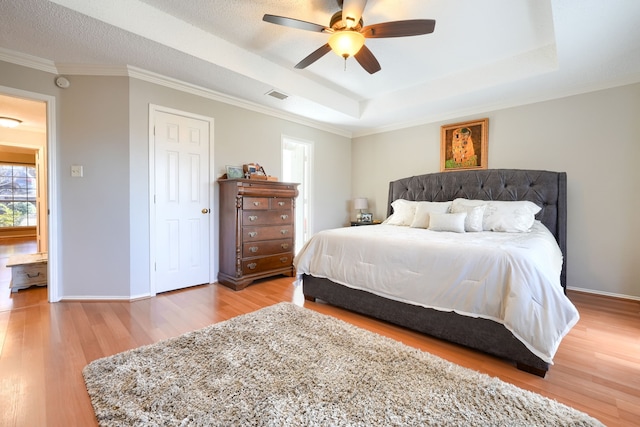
286 365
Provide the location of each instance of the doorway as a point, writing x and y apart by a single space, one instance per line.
297 156
33 139
181 198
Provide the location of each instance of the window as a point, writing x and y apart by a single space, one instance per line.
17 195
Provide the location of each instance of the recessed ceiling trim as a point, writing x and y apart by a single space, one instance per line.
168 82
170 31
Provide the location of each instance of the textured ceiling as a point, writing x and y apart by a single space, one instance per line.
482 55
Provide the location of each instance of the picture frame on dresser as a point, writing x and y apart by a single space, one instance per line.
234 172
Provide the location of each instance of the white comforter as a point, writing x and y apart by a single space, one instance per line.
511 278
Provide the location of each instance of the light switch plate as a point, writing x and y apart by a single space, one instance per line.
76 171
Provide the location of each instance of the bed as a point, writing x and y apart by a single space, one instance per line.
545 314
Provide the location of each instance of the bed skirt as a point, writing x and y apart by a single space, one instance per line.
481 334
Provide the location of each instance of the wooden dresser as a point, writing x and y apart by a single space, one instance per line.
257 230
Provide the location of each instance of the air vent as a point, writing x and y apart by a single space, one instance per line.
279 95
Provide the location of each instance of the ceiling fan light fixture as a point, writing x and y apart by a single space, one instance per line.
9 122
346 43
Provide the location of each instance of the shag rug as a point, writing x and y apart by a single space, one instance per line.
285 365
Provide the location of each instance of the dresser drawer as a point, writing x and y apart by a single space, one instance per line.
253 234
258 265
255 203
28 274
266 247
280 203
266 217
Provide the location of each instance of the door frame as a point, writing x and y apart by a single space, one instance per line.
51 197
153 110
310 146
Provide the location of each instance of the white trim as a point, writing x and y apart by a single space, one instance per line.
97 298
171 83
28 61
53 264
604 294
151 77
213 254
311 146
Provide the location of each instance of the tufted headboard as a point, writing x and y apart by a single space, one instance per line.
545 188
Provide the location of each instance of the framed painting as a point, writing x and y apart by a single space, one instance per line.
464 145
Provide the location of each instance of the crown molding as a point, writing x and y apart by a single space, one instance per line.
34 62
171 83
28 61
92 70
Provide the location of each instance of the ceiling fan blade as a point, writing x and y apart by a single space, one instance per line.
411 27
367 60
314 56
294 23
352 10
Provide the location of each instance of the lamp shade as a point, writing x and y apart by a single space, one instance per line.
346 43
360 203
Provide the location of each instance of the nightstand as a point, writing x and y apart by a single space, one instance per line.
356 223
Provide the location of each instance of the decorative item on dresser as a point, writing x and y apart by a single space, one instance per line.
257 230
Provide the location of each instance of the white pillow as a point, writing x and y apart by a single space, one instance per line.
509 216
447 222
475 215
424 209
403 212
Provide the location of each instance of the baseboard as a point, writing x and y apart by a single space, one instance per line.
114 298
604 294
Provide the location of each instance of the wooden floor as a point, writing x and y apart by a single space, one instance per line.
43 348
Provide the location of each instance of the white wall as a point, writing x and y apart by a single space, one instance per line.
240 136
94 210
102 124
593 137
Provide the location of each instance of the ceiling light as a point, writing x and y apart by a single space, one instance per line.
9 122
346 43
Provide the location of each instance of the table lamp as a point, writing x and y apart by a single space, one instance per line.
360 204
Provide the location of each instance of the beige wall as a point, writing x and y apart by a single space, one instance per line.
102 124
593 137
240 136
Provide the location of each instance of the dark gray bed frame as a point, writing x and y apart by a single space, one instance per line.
545 188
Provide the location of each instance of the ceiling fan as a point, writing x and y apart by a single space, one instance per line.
348 33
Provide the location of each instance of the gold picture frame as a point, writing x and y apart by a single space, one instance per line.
464 145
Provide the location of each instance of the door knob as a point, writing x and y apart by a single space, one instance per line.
206 211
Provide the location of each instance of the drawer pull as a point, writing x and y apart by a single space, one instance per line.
284 246
253 217
252 266
283 259
256 203
284 216
280 203
253 249
253 233
31 276
284 231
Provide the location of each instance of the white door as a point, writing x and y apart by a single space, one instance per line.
182 205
